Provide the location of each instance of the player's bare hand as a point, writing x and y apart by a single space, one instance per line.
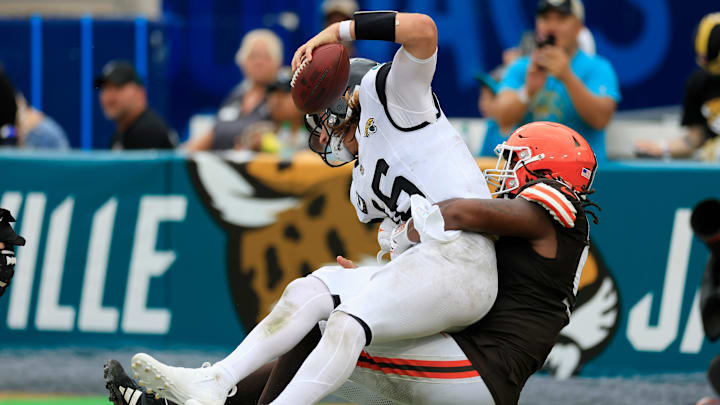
346 263
329 35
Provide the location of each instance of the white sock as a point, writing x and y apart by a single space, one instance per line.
304 303
329 365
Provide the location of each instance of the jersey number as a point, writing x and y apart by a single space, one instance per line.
400 184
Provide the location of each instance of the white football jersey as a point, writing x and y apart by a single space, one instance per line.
393 163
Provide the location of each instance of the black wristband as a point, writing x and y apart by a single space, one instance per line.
377 25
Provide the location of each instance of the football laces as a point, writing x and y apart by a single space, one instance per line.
297 72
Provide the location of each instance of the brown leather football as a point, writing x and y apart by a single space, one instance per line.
317 84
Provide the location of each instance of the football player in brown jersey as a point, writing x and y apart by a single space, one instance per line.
544 172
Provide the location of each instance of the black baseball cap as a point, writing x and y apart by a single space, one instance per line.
567 7
118 72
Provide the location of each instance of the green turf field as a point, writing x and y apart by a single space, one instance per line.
48 400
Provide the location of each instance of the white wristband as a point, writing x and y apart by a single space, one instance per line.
345 31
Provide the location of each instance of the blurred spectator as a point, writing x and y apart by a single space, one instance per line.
491 82
259 58
559 82
124 100
285 134
36 130
701 107
705 222
340 10
8 111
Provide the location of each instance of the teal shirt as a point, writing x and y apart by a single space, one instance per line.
553 103
493 137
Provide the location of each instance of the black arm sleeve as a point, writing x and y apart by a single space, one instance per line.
692 102
710 299
8 107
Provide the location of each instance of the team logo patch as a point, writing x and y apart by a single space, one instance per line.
370 127
587 173
361 204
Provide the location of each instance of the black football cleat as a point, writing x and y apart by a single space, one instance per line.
123 389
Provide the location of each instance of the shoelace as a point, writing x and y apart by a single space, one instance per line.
233 391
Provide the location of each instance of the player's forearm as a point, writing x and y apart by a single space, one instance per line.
416 32
595 111
679 147
685 145
505 217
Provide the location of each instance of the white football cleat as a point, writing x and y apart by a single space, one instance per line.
185 386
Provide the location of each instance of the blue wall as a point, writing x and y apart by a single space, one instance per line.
190 51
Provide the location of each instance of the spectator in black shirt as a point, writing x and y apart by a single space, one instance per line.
259 58
123 99
701 106
8 111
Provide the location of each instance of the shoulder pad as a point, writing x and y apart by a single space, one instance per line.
552 200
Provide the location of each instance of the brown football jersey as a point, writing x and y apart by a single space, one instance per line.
535 297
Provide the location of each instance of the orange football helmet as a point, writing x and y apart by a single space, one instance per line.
543 150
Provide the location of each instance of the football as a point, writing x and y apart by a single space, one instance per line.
317 84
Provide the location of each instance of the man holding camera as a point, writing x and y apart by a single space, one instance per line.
559 82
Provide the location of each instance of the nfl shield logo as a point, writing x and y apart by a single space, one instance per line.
585 173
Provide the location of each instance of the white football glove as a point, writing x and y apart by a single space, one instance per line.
399 241
384 233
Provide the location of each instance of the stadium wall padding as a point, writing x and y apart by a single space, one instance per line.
176 251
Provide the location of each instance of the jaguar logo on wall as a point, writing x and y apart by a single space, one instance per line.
593 323
284 220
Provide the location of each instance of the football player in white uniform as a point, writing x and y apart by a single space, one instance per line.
407 157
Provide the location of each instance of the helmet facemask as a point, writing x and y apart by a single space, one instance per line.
510 170
335 121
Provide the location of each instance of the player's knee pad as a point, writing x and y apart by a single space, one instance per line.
347 327
309 294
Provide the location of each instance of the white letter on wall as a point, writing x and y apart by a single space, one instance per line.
21 290
146 263
50 314
93 317
641 335
694 334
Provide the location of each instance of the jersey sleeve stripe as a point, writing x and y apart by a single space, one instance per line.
558 206
560 198
561 210
557 196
